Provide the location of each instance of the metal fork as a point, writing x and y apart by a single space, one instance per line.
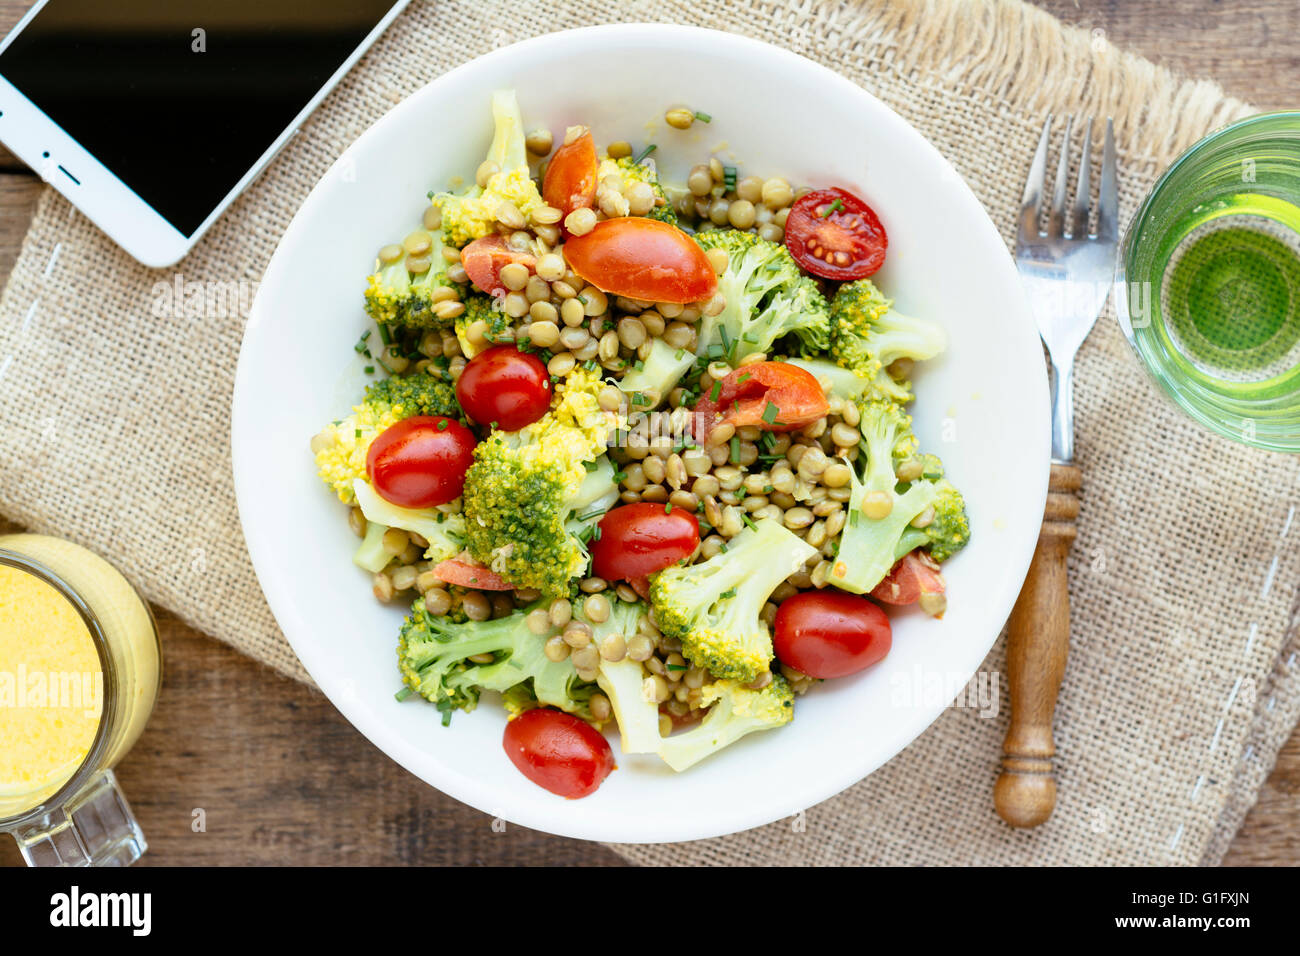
1067 273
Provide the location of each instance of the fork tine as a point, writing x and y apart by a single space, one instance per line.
1083 187
1108 198
1056 216
1034 185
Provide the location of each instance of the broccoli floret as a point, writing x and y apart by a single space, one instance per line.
531 495
767 297
396 296
433 654
869 546
473 214
662 369
341 447
736 711
947 532
480 306
869 335
713 607
444 530
642 172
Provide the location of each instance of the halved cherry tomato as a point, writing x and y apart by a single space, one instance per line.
913 575
642 259
505 386
421 462
743 397
834 234
638 540
484 259
830 633
465 572
570 181
558 752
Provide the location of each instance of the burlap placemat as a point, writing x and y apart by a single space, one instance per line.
1181 686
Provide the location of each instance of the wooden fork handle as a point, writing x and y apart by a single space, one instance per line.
1038 641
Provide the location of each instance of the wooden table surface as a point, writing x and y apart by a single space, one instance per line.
282 778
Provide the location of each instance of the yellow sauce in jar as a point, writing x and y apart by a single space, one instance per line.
52 685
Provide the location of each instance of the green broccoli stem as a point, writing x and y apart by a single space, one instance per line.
371 555
659 372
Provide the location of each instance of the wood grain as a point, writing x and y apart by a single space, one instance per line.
1038 642
282 778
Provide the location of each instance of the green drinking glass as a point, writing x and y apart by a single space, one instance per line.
1208 281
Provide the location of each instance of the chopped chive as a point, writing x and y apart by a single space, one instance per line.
770 413
402 694
361 342
726 339
715 350
639 365
643 154
717 390
370 370
668 508
735 449
357 434
679 354
703 117
638 398
729 177
385 335
675 667
619 476
591 514
834 207
744 377
723 547
729 593
768 489
748 520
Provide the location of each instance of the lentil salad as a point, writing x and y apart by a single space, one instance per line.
638 453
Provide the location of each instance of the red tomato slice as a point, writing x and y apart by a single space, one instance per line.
743 397
505 386
642 259
834 234
465 572
570 181
420 462
484 259
558 752
914 574
830 633
640 539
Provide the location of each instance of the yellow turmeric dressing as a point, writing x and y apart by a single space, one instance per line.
51 690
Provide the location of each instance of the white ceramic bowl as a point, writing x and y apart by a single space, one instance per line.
982 407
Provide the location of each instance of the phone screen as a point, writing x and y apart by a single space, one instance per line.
179 98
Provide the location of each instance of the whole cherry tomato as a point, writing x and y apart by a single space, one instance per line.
570 181
558 752
834 234
775 396
505 387
642 259
421 462
830 633
484 259
638 540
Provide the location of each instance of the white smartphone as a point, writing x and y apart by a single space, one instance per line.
151 116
